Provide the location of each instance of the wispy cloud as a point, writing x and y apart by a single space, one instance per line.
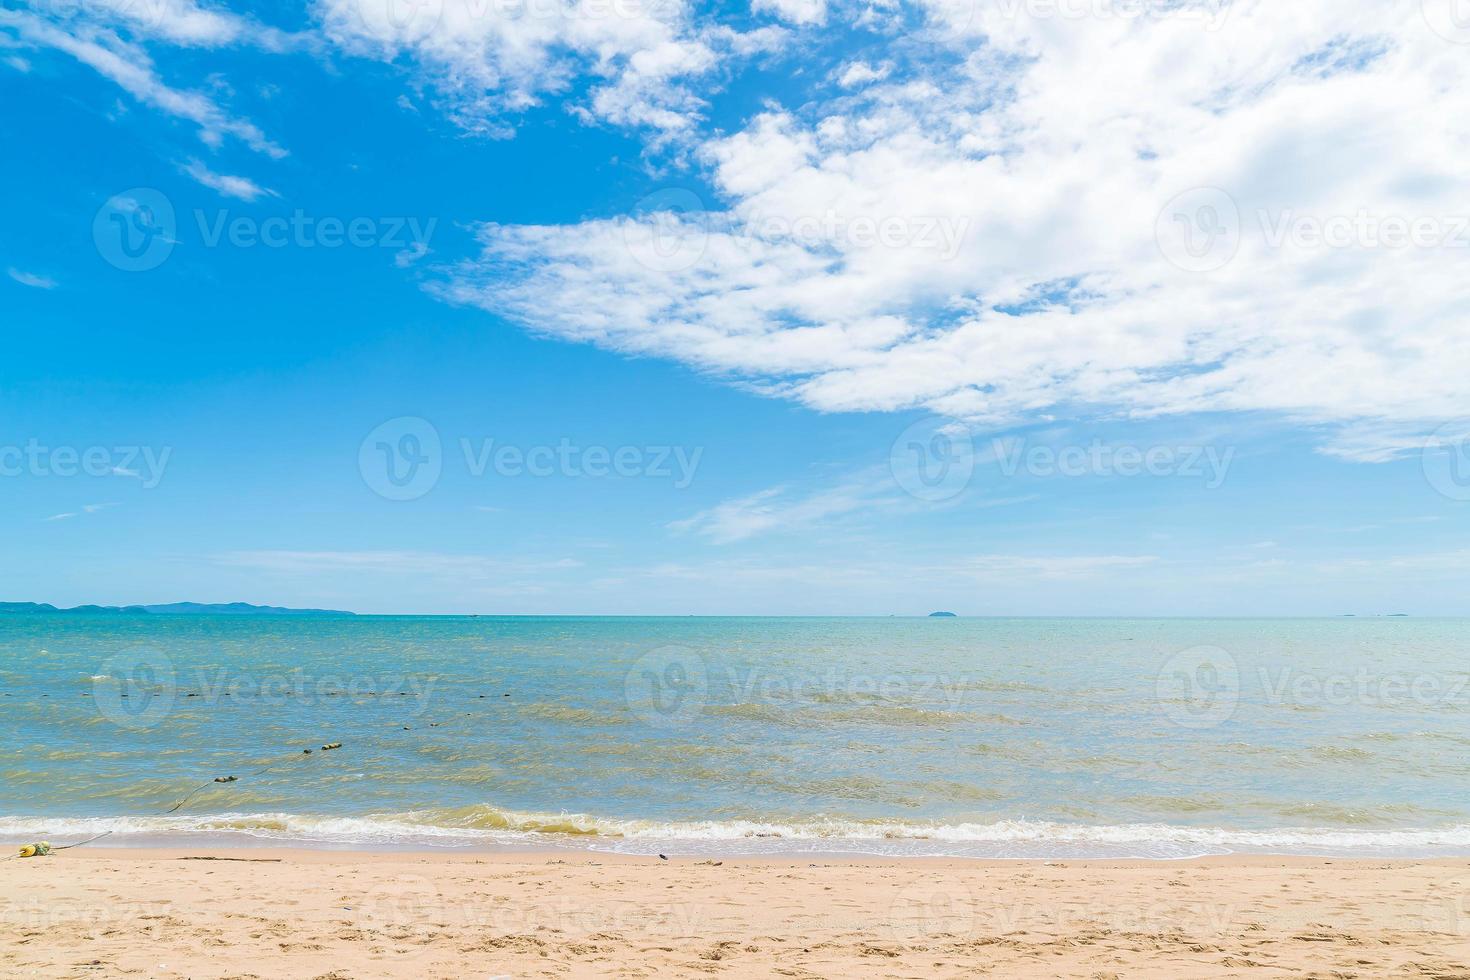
84 509
1430 562
130 67
408 256
31 279
242 188
1010 567
421 563
779 509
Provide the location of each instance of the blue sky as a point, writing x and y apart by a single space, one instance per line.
877 306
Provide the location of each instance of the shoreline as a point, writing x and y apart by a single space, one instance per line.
292 912
277 851
775 849
581 835
607 848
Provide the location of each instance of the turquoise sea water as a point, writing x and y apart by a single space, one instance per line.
991 737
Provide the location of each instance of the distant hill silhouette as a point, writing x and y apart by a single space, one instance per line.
933 614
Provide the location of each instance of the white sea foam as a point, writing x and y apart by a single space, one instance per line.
492 827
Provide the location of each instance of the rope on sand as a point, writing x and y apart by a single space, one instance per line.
46 848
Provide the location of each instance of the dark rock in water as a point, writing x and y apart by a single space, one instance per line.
941 614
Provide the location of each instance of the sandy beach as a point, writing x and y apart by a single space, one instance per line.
298 913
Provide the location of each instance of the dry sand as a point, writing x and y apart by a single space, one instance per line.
278 913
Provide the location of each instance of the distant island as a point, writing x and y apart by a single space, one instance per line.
933 614
166 609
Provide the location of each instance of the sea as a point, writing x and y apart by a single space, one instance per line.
952 736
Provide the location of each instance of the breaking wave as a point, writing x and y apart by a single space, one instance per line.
489 826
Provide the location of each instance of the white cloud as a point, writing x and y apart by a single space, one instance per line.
784 510
180 22
859 73
487 61
85 509
408 256
800 12
1062 147
482 62
1430 562
1007 568
777 509
128 65
31 279
238 187
460 568
889 577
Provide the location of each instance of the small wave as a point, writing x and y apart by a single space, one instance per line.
1349 816
1342 753
571 715
898 714
485 825
752 711
878 713
1179 804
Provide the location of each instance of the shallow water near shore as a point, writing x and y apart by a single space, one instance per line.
962 737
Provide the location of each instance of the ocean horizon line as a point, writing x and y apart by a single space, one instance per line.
138 609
